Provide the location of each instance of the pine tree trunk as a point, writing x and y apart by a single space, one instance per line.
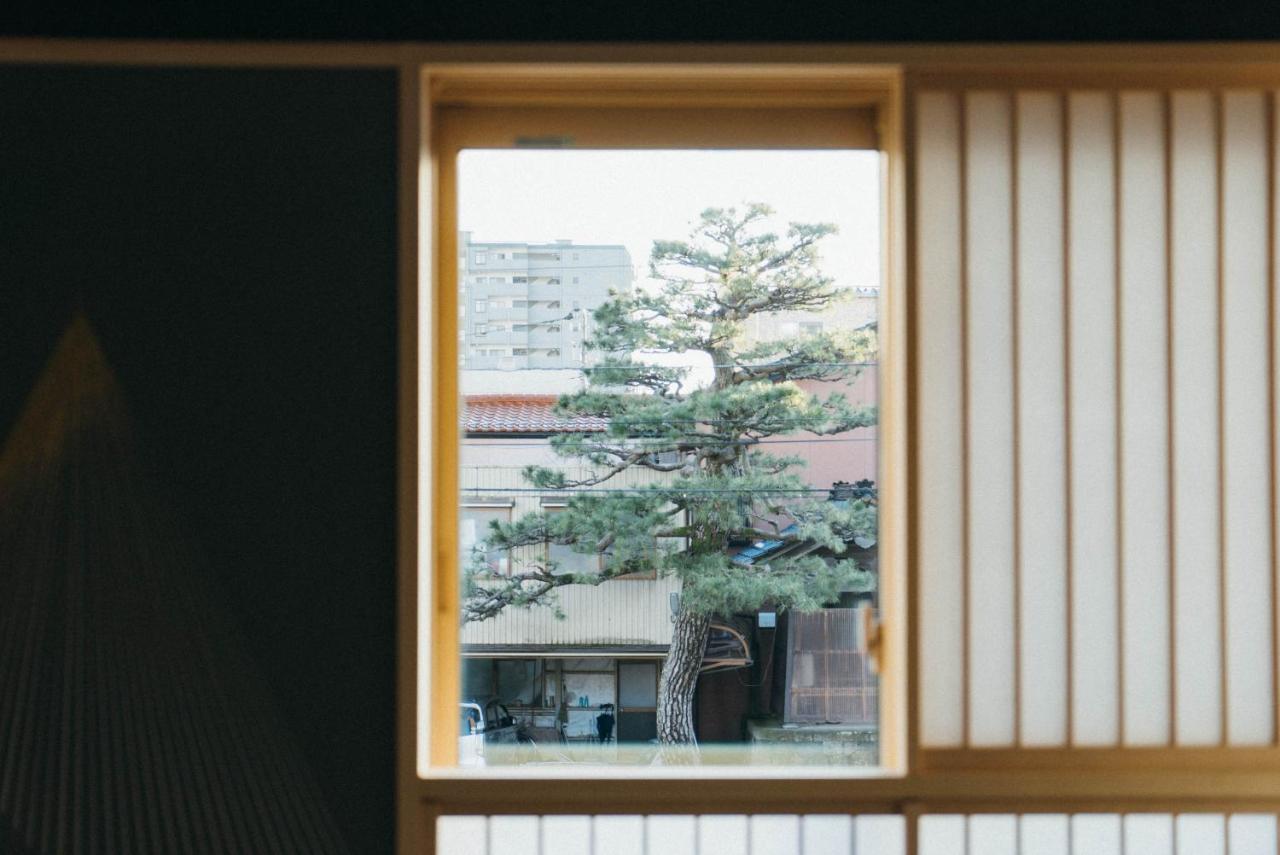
680 678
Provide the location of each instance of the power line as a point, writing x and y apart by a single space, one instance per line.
656 488
526 443
713 365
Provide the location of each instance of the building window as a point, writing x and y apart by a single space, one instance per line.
481 329
554 280
519 279
553 304
519 351
563 555
482 305
481 258
475 519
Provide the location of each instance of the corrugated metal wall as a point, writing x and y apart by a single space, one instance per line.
1096 402
625 611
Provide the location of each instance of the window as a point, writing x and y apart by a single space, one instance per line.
568 557
481 258
480 329
481 305
634 537
519 279
575 280
475 528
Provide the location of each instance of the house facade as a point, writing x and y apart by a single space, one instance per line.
607 643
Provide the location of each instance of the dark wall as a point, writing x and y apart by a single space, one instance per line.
656 20
230 235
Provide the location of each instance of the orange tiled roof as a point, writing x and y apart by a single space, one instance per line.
522 414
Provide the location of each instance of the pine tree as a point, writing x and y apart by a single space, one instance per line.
722 489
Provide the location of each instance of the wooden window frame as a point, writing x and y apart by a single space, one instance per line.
665 106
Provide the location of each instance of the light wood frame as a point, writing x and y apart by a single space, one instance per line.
651 105
975 781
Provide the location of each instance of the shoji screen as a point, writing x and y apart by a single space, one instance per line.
782 834
1098 834
1095 384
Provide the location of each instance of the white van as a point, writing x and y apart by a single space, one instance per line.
484 721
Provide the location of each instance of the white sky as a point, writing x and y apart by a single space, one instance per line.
633 197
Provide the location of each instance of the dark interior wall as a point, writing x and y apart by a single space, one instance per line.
655 20
230 235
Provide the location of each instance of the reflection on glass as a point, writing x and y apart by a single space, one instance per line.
668 469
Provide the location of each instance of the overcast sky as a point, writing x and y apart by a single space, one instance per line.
635 197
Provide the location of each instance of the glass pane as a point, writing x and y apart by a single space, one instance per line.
668 506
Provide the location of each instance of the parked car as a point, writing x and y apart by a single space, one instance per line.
485 721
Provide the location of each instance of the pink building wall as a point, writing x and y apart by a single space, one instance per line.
849 456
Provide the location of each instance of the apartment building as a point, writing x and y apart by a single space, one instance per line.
529 305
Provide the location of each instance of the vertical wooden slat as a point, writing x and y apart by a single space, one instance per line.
966 493
939 353
1170 436
1016 408
1117 248
1041 414
989 459
1218 217
1274 509
1068 486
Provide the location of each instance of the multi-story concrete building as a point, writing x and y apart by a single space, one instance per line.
529 305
